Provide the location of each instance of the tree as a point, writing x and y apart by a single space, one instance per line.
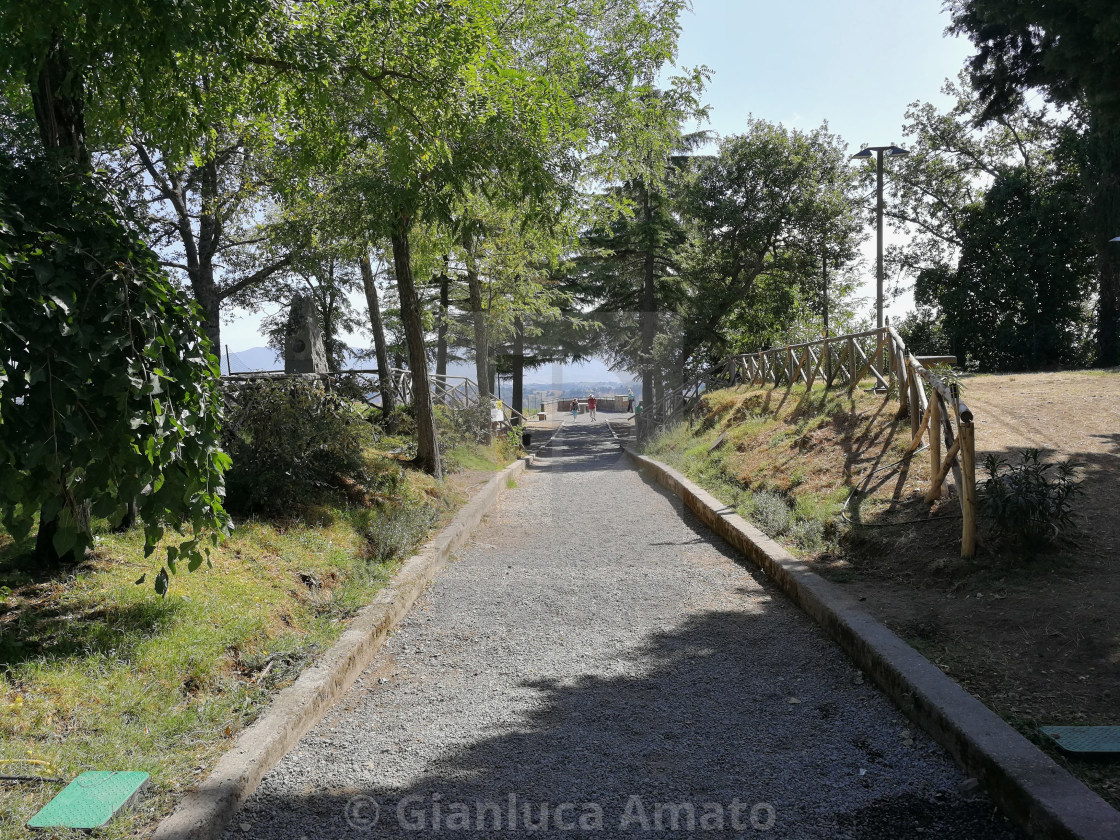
764 209
91 67
1016 297
107 392
209 205
1071 51
998 248
377 328
628 271
446 97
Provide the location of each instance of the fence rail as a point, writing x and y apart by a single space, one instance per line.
937 414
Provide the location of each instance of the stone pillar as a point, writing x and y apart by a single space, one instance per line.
303 343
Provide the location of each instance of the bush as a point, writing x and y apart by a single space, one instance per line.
393 532
771 513
107 392
1030 502
291 440
809 534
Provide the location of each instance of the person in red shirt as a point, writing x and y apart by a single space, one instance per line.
591 406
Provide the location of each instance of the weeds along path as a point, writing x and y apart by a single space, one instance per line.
598 661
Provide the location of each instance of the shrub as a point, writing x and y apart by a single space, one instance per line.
393 531
809 534
107 392
771 513
1029 501
290 440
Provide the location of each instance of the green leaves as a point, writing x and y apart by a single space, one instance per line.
81 428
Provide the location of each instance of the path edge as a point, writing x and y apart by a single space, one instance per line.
206 811
1046 800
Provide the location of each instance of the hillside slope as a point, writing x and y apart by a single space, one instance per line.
1036 635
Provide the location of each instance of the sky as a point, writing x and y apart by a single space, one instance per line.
856 64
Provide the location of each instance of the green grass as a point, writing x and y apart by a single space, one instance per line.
487 459
802 512
97 672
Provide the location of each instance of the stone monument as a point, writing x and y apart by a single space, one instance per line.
303 343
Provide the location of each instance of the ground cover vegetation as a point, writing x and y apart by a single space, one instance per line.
98 672
825 474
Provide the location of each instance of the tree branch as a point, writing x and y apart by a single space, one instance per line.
256 277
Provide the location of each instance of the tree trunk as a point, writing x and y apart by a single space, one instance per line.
1104 189
647 321
384 377
57 92
481 343
45 552
427 447
518 365
441 330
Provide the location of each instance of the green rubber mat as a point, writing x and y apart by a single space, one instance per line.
1085 740
91 800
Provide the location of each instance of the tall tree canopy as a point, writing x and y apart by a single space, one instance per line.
1071 51
766 208
997 247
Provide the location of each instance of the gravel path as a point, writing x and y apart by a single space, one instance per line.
598 659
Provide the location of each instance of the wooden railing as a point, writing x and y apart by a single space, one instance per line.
937 414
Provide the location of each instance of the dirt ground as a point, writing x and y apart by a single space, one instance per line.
1035 635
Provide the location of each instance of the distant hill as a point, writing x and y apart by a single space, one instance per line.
586 377
253 359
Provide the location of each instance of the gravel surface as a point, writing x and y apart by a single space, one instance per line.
597 659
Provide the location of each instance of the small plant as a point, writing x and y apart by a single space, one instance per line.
512 442
809 534
392 532
1030 501
771 513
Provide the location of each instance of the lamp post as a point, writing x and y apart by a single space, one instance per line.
865 154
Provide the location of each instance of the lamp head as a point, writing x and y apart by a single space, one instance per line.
862 153
895 150
1117 239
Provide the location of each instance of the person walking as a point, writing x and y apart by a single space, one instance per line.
575 407
591 403
629 400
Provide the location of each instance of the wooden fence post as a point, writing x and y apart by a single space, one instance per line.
915 404
853 383
966 433
934 445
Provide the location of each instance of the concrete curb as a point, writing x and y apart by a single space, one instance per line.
1030 787
204 813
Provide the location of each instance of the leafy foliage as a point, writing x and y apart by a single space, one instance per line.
290 441
1017 298
107 392
999 248
1030 502
766 208
1068 51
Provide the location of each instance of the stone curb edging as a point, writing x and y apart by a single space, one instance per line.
204 813
1027 784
